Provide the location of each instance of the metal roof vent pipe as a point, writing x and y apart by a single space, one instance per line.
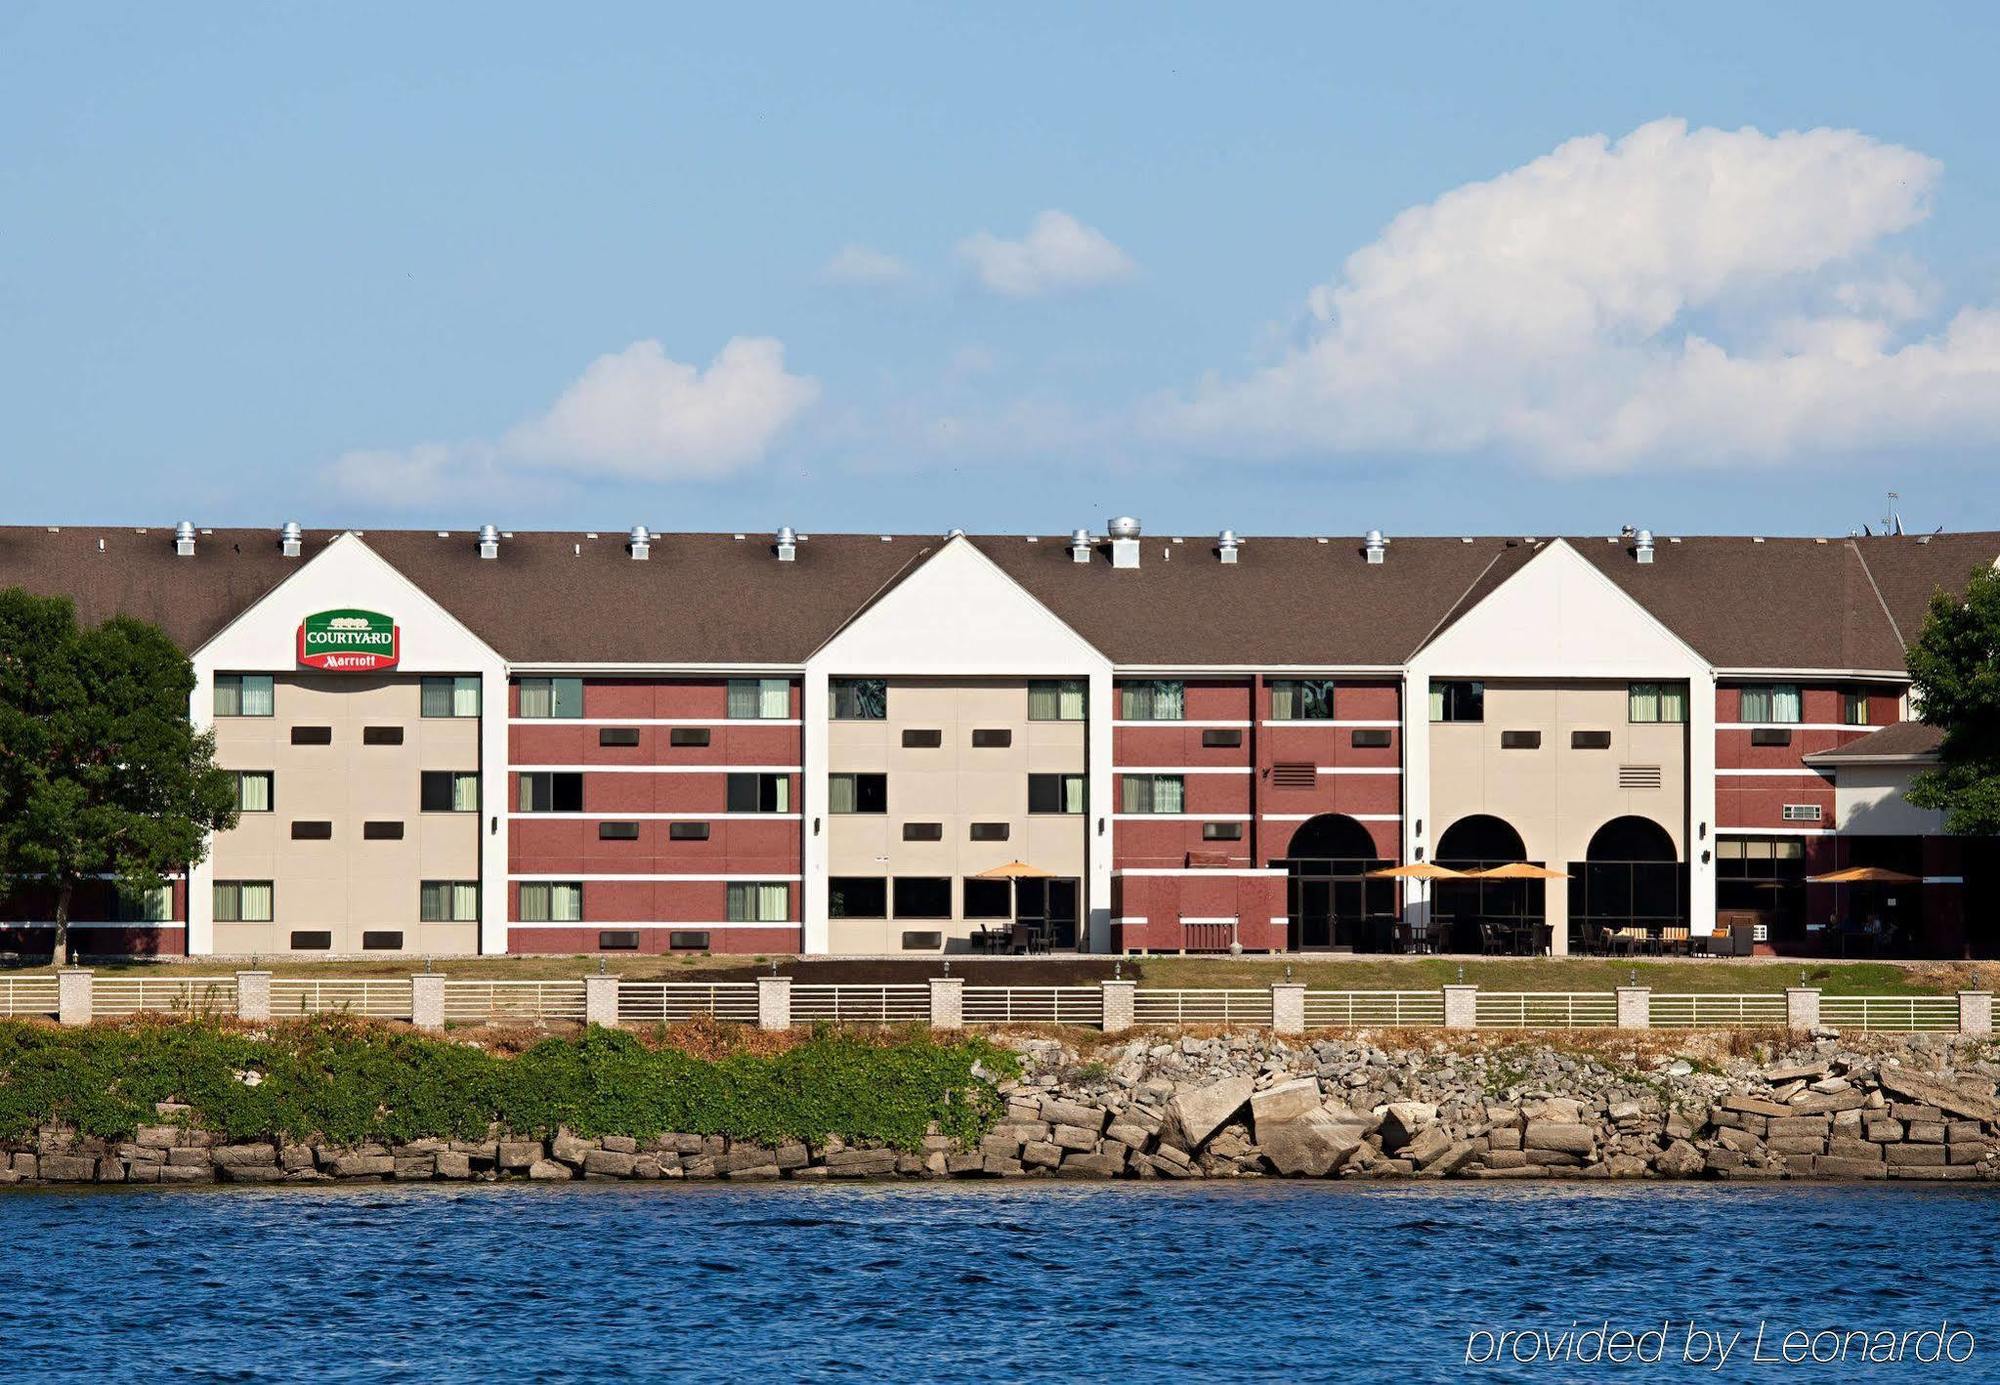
291 538
787 544
1642 546
489 541
184 538
1080 546
1375 546
640 543
1124 532
1225 546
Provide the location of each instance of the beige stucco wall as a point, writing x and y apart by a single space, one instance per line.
348 885
1868 801
955 785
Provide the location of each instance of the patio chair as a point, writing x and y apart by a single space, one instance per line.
1490 942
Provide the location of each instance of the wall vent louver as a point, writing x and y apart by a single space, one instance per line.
1639 777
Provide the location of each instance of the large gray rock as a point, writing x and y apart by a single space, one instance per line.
1201 1111
1401 1120
1566 1138
1314 1144
1430 1142
1932 1091
1284 1102
1056 1111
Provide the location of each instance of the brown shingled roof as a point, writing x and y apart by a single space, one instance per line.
1899 740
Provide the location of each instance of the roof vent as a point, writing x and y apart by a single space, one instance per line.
1225 545
1375 545
184 538
1079 546
291 538
489 541
788 544
640 543
1642 546
1124 532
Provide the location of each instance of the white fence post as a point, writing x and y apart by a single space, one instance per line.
73 996
1802 1007
600 1000
1461 1007
947 1002
1975 1012
427 1000
1118 1005
774 1002
1635 1007
253 996
1288 1007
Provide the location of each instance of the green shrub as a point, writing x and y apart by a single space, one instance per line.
347 1082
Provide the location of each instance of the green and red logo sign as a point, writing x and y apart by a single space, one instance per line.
349 641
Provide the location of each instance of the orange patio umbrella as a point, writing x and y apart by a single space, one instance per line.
1015 870
1519 870
1865 875
1418 870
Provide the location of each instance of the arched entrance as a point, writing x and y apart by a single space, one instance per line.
1332 904
1459 908
1631 877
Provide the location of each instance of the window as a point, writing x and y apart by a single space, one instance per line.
451 697
857 897
450 791
545 902
1458 701
688 735
1302 699
253 791
552 791
1221 740
1771 702
381 735
1370 738
243 695
922 740
922 942
923 831
923 897
687 940
687 832
857 699
992 740
1055 793
1520 740
312 940
857 793
1590 740
143 906
448 901
760 793
759 902
618 735
312 735
551 697
1222 831
1161 699
1056 699
1854 709
312 831
759 699
1657 702
374 940
618 831
991 831
381 831
242 901
1801 812
989 899
1154 793
626 940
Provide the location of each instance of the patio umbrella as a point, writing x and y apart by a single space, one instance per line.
1015 870
1865 875
1519 870
1419 870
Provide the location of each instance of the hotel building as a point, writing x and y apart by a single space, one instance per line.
451 743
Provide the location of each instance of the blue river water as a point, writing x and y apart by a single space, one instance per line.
1268 1281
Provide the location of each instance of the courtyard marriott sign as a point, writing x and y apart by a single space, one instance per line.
349 641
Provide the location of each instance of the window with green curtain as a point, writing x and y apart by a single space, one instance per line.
757 901
1776 703
1159 699
449 901
1643 702
1056 699
759 699
257 901
534 903
546 902
253 791
1658 702
244 695
464 791
243 901
144 906
858 699
537 697
1854 708
1154 793
840 793
456 696
1301 699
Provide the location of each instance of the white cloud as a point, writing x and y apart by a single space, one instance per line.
634 414
1686 296
859 264
1058 253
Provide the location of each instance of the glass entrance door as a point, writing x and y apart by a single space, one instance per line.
1049 906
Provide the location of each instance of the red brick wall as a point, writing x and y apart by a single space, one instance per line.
1757 800
1164 900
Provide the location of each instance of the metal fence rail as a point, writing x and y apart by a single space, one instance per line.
1164 1006
905 1004
28 995
670 1002
1902 1013
112 996
1731 1011
1033 1004
535 1001
386 997
1345 1009
1545 1009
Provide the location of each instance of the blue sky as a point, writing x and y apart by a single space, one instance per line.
1012 269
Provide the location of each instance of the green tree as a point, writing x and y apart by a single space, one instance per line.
101 771
1955 672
